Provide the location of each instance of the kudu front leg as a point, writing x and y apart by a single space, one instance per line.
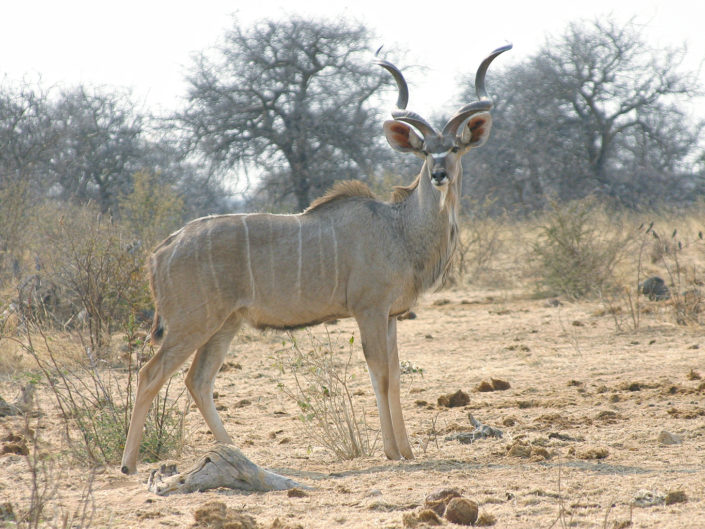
377 346
394 399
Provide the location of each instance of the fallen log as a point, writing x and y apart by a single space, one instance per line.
222 466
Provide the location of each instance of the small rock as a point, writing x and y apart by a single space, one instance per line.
648 498
454 400
667 438
461 511
655 289
676 496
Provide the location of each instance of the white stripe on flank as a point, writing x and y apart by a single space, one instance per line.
209 242
301 257
321 268
335 261
249 258
200 279
177 243
272 274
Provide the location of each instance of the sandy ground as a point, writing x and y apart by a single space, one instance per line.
581 423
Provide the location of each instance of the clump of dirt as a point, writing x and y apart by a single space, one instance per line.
14 444
215 515
524 450
484 387
693 375
495 384
594 453
485 520
278 524
423 518
454 400
461 511
296 493
676 496
686 413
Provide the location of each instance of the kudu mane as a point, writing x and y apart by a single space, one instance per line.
354 189
347 189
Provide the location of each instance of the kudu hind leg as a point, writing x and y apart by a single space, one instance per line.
173 352
201 376
398 425
374 334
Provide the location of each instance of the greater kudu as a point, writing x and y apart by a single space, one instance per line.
348 254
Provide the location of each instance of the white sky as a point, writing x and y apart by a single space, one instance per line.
147 45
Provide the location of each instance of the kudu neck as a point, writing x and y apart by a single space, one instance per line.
431 224
431 202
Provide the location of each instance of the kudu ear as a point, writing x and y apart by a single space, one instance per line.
402 137
477 130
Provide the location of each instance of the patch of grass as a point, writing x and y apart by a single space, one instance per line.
320 375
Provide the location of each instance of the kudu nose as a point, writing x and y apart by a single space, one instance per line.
439 176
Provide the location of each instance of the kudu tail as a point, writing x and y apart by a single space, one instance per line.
157 331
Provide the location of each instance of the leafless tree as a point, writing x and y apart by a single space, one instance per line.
287 97
597 110
26 139
100 141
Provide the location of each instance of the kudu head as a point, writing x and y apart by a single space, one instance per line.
441 151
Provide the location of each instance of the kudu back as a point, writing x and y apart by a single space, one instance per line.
348 254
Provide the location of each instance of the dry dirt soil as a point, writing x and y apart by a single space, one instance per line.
581 424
